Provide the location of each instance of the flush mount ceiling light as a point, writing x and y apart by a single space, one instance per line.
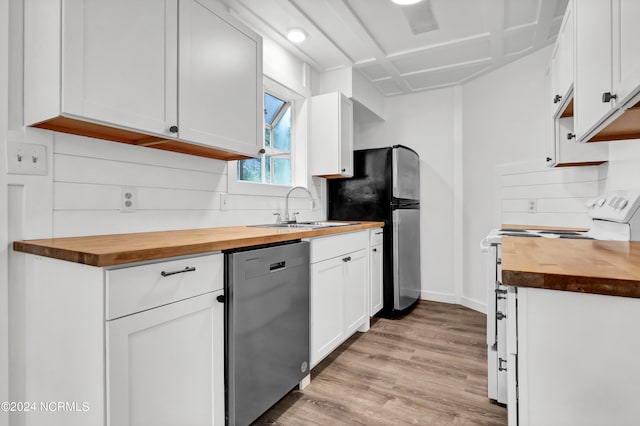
406 2
296 35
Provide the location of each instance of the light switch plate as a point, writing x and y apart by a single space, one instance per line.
26 158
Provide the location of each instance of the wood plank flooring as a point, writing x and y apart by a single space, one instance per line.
427 368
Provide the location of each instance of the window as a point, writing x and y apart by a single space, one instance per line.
274 166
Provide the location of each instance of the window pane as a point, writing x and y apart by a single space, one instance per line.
282 171
282 132
271 107
250 170
267 172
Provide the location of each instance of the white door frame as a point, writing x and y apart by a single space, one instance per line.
4 115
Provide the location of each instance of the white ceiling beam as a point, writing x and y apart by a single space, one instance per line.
350 18
546 14
494 11
292 7
248 16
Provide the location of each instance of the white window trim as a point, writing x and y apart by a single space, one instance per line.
298 148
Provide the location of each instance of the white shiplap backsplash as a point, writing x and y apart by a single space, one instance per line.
560 194
174 191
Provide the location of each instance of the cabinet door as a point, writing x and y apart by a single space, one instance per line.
346 136
331 144
570 152
626 64
562 60
550 145
375 280
120 62
356 270
220 80
327 281
165 365
512 355
593 64
565 58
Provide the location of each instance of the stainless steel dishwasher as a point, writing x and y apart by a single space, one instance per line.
267 327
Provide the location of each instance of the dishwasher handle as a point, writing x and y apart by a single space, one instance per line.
277 266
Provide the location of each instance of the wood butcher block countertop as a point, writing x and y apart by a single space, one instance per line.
585 266
109 250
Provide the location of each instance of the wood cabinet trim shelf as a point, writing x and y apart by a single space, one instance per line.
585 266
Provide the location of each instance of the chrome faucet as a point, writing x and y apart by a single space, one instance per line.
287 217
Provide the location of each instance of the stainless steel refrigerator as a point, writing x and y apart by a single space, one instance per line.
386 187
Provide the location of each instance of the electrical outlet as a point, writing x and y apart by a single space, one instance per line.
224 201
532 206
128 199
26 158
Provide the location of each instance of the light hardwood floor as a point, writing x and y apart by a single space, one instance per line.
427 368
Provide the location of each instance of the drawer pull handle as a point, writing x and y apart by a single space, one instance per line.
347 259
181 271
379 233
375 250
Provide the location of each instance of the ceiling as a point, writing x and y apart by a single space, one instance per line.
375 37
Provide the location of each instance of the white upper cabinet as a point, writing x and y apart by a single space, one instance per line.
331 147
220 80
562 146
562 61
119 65
177 75
626 60
607 70
593 64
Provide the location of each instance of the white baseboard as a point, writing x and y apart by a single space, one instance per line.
473 304
435 296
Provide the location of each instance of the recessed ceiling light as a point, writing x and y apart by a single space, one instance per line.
406 2
296 35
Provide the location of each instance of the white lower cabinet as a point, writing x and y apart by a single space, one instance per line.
573 358
339 290
355 291
375 271
125 346
165 366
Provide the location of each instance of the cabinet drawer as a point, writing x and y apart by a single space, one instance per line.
375 236
323 248
134 289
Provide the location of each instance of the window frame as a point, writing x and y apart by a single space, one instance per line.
298 105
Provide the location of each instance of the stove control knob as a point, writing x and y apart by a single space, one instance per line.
623 203
613 202
591 203
601 202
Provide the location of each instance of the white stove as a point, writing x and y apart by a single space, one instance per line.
614 217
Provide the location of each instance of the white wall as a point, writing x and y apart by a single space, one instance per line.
623 169
503 122
174 191
559 194
424 122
